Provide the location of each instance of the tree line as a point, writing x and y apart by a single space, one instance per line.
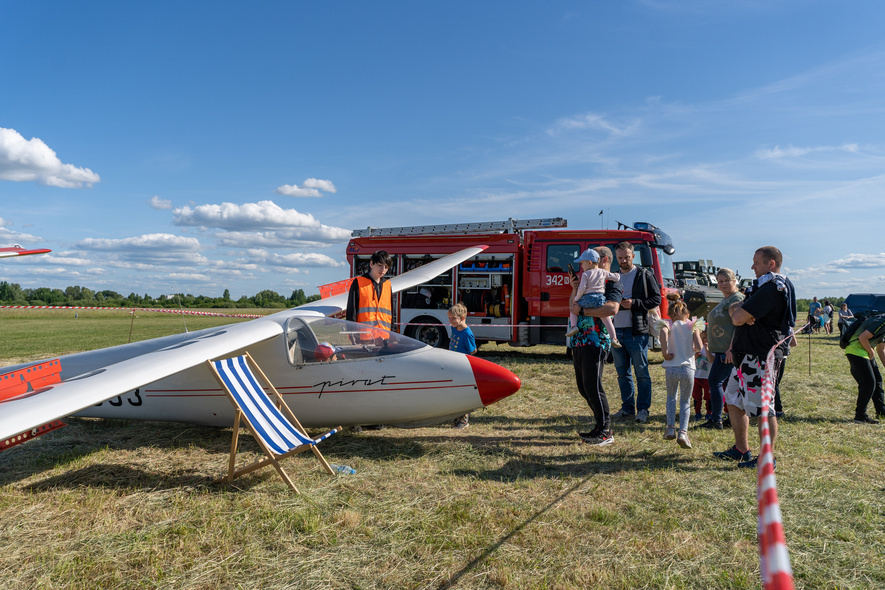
13 294
77 296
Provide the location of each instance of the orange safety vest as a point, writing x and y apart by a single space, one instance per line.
373 311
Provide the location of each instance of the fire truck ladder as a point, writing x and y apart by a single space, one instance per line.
510 226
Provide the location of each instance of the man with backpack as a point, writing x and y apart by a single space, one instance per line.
859 340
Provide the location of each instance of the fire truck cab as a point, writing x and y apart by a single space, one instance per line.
517 290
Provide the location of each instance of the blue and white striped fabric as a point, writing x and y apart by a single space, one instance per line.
267 420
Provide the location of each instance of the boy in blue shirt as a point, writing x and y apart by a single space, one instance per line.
463 341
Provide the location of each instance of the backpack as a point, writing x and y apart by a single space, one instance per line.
848 332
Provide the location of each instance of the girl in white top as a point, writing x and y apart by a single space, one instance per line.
679 344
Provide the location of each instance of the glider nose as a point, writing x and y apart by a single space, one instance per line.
493 382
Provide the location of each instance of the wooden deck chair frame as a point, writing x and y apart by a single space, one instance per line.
242 417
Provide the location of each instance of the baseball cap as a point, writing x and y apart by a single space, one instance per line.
589 254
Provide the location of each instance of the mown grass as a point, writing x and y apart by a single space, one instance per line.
514 501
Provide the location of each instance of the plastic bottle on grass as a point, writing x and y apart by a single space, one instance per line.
342 468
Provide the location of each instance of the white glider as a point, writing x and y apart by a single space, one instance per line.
401 382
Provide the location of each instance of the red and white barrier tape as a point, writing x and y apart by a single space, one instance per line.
157 309
774 557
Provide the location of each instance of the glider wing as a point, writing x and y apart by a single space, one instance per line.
34 408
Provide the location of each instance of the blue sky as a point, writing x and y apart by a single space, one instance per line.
201 146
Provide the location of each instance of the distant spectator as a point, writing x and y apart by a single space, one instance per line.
827 315
813 307
844 316
817 321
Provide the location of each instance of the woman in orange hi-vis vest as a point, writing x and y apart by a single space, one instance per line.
369 299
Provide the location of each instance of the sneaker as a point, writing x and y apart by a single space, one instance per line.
588 436
712 424
733 454
602 439
708 417
726 422
461 422
621 414
642 416
697 417
865 420
670 433
682 440
754 462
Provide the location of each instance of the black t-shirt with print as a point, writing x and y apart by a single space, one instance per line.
768 306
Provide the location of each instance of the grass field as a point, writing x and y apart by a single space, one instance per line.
514 501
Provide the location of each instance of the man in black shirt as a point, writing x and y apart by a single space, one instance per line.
762 320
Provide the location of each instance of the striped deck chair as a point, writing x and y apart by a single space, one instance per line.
272 423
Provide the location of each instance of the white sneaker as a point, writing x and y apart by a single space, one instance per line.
642 416
682 440
670 433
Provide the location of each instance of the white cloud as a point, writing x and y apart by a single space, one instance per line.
8 235
323 185
264 215
32 160
188 276
68 259
165 242
309 188
777 152
859 261
300 238
292 262
594 121
4 223
293 190
146 252
158 203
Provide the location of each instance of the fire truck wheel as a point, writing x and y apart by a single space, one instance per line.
434 335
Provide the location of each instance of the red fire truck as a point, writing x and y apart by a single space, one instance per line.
517 290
